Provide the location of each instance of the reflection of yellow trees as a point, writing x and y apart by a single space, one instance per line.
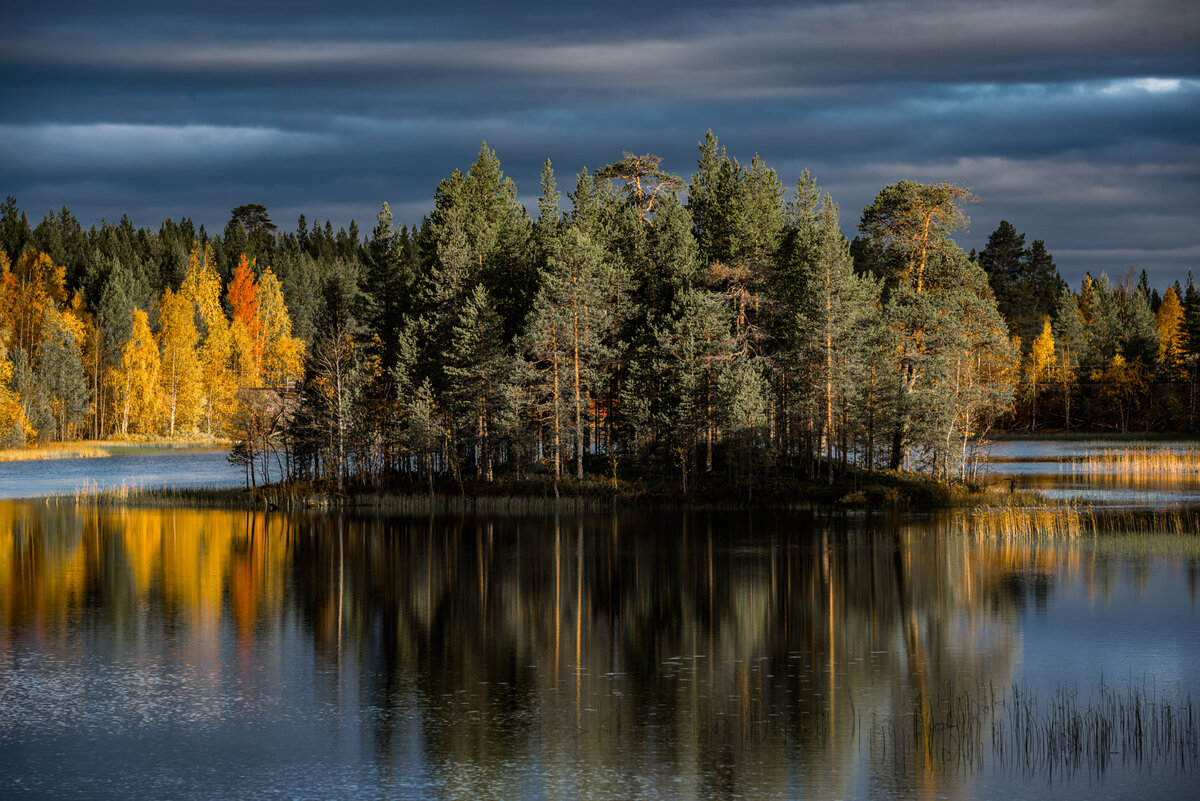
189 562
737 655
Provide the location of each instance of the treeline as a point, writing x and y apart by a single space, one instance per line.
105 353
1114 355
737 336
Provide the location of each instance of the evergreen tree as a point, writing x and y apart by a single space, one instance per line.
390 277
482 377
34 399
837 309
1041 279
1002 260
60 374
1072 348
1140 334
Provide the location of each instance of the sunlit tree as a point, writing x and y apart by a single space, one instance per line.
1039 367
134 381
1171 351
180 379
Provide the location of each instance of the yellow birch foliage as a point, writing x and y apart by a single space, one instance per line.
202 287
1040 367
283 354
134 383
242 354
14 427
35 284
179 375
1170 336
8 289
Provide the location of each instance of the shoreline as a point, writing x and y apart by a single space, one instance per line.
103 448
881 491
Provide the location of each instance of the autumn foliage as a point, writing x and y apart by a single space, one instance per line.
175 370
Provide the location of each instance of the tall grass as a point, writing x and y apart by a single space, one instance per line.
1067 732
1072 522
54 450
1141 461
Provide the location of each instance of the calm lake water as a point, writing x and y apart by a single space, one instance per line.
211 654
138 469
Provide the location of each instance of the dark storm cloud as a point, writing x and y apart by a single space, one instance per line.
1076 121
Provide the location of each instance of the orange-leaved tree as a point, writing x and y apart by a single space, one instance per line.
242 294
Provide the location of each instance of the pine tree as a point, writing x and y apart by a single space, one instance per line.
834 314
482 378
1139 340
1001 259
566 336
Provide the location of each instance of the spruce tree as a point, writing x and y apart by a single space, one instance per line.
60 374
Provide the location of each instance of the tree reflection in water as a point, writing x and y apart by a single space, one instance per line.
686 655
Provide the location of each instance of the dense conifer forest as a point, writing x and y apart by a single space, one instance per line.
641 329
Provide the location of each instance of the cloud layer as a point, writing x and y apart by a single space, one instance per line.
1077 121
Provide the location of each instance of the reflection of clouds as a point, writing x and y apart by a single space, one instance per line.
69 695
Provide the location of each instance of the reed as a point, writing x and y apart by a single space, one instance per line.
1070 522
54 450
138 496
1066 732
1141 461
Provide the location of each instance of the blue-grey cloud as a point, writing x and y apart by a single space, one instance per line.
1075 120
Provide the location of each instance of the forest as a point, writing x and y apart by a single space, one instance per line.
721 331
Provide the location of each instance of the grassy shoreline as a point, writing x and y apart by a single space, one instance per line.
880 490
102 448
1092 436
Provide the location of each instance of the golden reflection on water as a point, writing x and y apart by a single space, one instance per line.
784 654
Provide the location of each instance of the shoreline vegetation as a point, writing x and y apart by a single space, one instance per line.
882 490
100 449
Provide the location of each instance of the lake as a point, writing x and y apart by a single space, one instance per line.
217 654
133 467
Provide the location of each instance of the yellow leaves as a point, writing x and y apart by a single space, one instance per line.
134 383
1169 323
1040 367
180 375
15 429
202 286
283 354
33 285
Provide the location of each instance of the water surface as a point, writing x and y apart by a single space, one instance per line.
185 654
136 469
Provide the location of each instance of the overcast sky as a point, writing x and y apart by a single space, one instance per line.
1079 122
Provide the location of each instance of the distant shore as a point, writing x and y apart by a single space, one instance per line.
101 448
